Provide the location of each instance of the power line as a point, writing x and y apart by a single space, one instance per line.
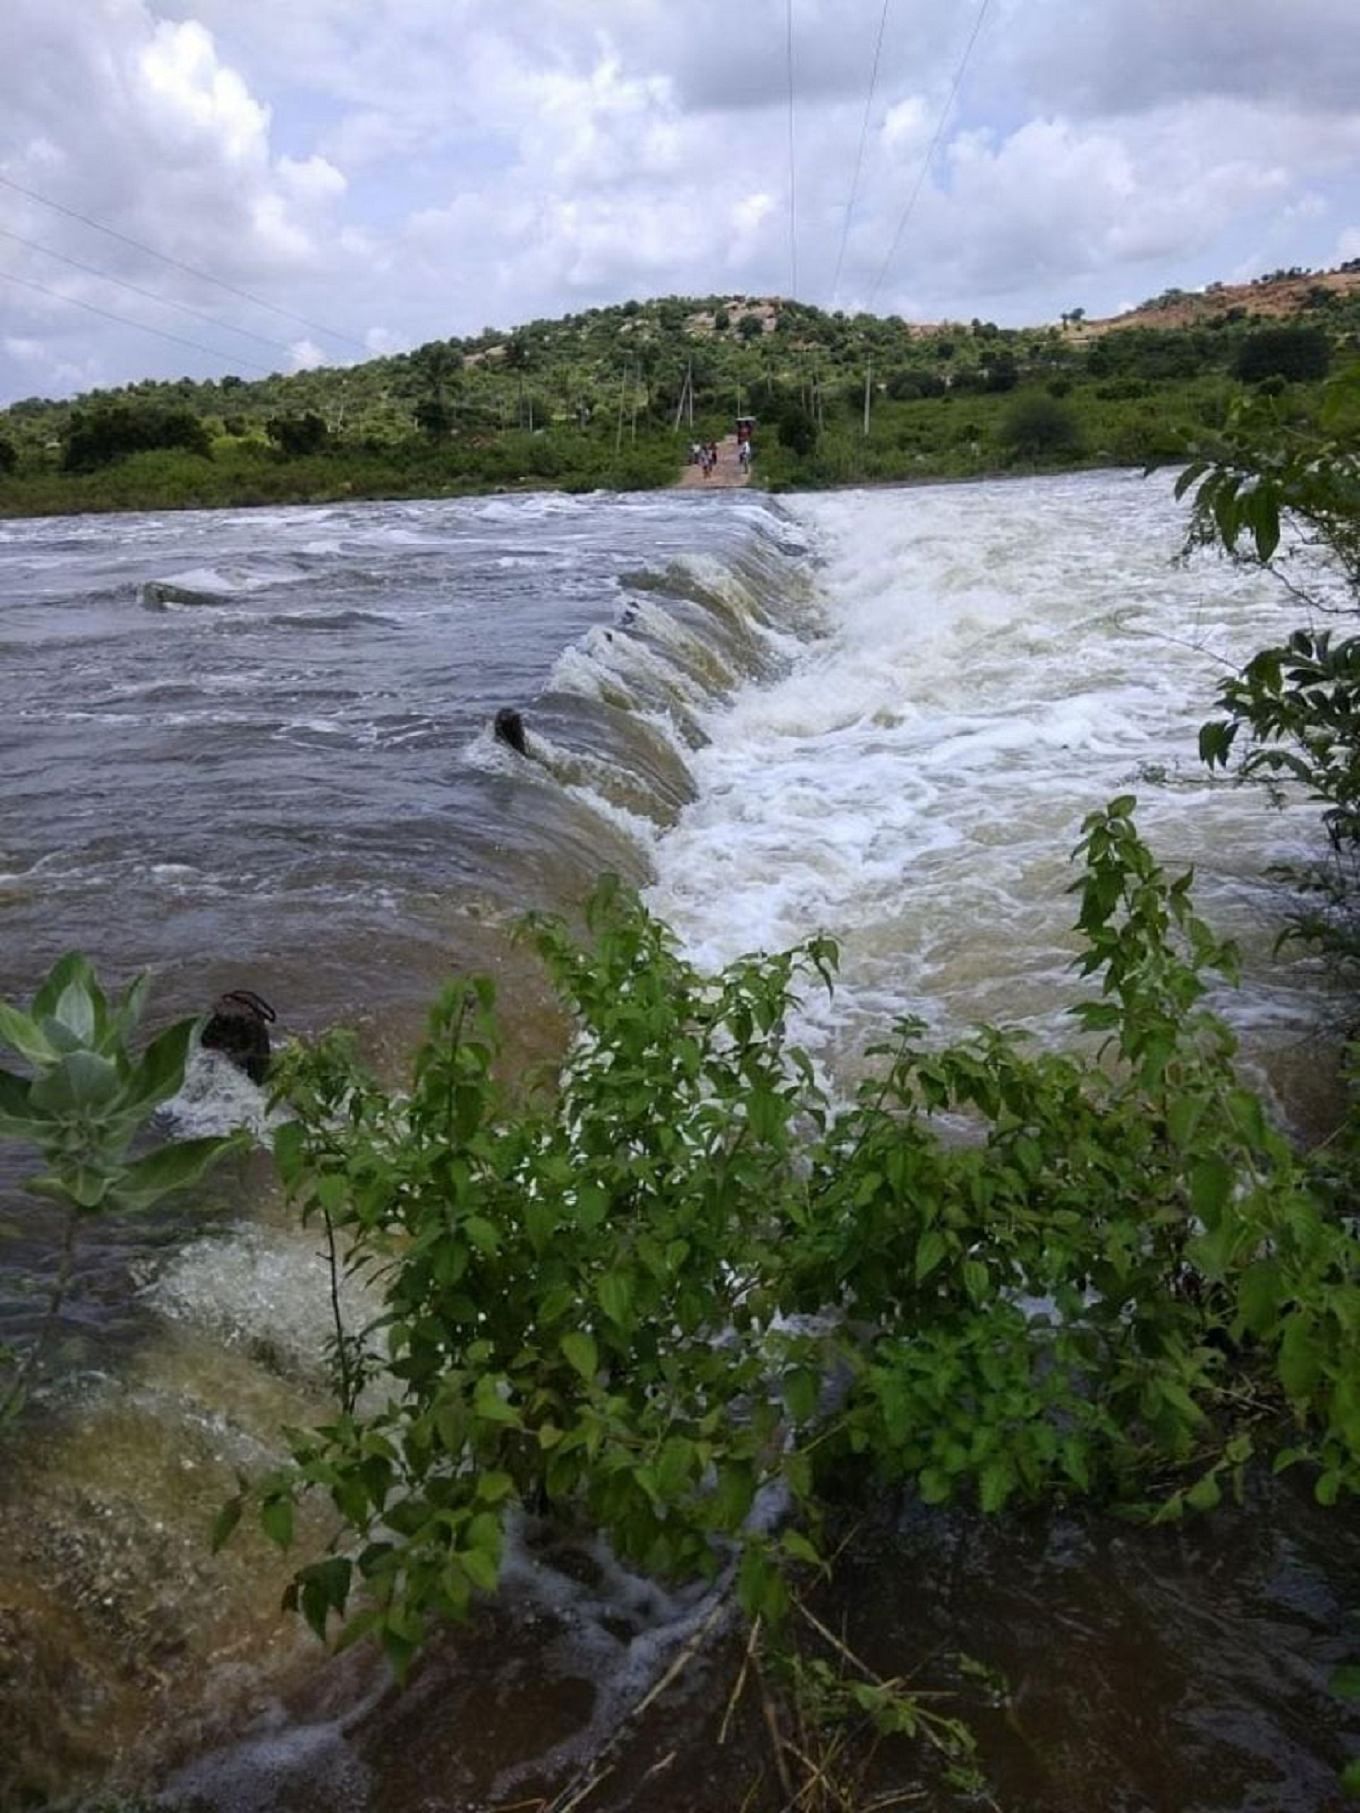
179 265
931 149
859 155
793 194
127 321
136 290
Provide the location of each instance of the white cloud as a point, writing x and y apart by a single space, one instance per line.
431 167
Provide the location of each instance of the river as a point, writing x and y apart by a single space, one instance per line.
253 748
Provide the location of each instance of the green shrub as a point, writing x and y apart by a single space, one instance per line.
1039 427
95 437
296 435
85 1100
1297 354
621 1305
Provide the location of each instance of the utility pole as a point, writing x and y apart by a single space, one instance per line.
623 399
868 370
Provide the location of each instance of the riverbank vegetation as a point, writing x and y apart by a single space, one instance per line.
611 399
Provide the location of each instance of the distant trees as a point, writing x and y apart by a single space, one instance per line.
750 328
1157 353
97 436
1297 354
9 457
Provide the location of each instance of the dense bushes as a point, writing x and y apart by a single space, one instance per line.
98 436
1298 354
622 1305
295 435
1039 427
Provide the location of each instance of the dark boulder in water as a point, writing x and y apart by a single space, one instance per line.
509 729
238 1027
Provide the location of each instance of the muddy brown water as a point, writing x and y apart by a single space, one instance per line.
253 748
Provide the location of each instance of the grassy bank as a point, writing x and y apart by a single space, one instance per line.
240 473
940 437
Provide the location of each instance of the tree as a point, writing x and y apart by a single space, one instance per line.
908 384
750 328
9 456
1002 373
295 435
1298 354
1038 426
434 417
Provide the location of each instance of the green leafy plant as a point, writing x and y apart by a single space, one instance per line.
683 1290
1293 711
83 1102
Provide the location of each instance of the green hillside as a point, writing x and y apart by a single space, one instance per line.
604 398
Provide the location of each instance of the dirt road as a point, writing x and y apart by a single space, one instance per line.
728 472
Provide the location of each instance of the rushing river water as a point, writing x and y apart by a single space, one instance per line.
253 748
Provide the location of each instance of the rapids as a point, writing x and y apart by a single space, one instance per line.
253 749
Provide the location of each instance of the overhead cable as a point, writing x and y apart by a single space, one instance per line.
136 290
933 147
859 155
193 270
127 321
793 193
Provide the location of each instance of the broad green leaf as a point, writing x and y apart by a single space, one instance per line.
490 1404
482 1233
80 1082
483 1568
579 1350
1300 1359
930 1250
75 1009
1211 1185
615 1295
276 1518
170 1167
23 1035
161 1070
73 968
1205 1493
226 1521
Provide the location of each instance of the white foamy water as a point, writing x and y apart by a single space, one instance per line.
998 660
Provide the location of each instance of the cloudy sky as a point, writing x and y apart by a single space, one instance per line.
384 172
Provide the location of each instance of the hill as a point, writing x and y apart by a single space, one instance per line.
609 396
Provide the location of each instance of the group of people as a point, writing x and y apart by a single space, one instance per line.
704 454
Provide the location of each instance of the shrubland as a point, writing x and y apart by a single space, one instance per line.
603 400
